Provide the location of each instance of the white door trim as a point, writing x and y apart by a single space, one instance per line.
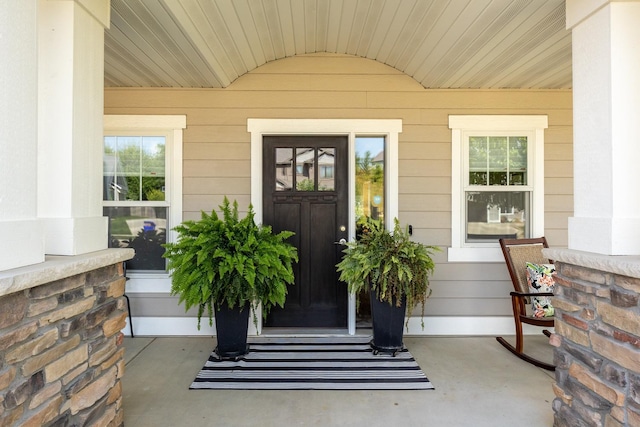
389 128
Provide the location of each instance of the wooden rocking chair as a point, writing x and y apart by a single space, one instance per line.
517 252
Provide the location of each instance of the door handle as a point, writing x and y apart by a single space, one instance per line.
340 242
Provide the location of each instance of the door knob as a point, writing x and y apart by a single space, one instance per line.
340 242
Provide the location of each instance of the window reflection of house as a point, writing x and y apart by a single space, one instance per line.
492 215
326 161
115 186
305 167
378 160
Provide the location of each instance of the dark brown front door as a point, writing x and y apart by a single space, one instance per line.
305 191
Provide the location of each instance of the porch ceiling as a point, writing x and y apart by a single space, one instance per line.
440 43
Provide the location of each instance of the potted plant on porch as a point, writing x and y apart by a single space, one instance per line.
395 270
228 266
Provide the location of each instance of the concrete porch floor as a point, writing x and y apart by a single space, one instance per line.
478 383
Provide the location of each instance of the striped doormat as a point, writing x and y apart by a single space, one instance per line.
302 363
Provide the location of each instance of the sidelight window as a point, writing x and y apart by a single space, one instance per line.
370 179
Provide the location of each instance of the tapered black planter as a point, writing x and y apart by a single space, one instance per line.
232 325
388 324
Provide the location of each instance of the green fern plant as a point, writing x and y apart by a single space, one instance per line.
390 264
230 261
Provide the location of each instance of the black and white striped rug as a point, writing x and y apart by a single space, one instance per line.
327 363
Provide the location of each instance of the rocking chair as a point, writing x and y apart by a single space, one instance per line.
517 252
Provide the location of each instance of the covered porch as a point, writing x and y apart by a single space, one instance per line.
56 325
476 383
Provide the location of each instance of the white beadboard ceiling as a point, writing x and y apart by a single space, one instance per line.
440 43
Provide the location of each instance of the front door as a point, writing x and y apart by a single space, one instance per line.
305 191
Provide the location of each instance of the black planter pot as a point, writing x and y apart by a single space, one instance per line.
388 325
232 325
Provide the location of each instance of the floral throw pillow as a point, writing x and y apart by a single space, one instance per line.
540 278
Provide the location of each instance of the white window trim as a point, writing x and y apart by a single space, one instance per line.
460 127
174 126
389 128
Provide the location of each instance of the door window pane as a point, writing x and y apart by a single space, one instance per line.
143 228
370 169
284 169
305 171
326 163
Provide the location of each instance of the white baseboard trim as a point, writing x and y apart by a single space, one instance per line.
169 326
467 325
433 326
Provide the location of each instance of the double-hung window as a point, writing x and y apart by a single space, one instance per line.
497 183
142 185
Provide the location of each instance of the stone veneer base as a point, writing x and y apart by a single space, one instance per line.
61 353
597 339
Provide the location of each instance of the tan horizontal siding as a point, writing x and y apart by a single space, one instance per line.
430 167
558 186
217 168
425 133
556 220
558 168
555 203
426 184
425 150
197 203
459 100
422 219
226 98
557 237
217 152
429 236
562 151
209 186
423 203
224 133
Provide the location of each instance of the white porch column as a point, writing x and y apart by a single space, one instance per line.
606 103
70 129
22 241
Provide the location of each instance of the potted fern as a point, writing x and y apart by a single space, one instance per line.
229 266
395 270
